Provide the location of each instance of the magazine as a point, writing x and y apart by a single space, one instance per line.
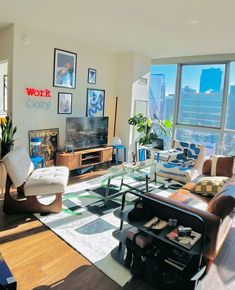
186 242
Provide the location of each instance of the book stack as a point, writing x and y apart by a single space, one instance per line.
140 239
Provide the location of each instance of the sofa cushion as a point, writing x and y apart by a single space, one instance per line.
210 185
219 166
47 181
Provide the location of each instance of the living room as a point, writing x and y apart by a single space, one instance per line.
118 52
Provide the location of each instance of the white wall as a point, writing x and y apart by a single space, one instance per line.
131 67
33 67
6 54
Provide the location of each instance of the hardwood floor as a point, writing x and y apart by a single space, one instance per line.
40 260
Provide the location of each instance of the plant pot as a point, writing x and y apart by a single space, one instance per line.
5 148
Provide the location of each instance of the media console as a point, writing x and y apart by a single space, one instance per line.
84 158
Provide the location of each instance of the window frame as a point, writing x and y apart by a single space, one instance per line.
178 83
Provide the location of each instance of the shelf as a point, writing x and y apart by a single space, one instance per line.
121 235
161 235
90 157
119 254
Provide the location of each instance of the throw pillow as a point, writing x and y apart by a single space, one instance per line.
210 185
218 166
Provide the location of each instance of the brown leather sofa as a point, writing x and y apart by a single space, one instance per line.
217 212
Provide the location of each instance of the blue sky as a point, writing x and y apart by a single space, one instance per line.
191 75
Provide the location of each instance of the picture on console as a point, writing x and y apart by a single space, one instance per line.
95 103
49 144
86 132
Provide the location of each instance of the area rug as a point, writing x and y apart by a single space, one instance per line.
87 225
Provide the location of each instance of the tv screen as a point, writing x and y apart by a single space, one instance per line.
86 132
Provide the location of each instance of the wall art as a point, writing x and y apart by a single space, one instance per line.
65 64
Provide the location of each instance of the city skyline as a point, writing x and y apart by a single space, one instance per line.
191 75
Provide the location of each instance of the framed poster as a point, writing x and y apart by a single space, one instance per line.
91 78
64 74
95 103
49 145
64 103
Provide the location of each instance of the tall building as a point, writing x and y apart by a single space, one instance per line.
210 80
157 95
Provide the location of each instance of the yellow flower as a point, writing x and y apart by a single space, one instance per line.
3 120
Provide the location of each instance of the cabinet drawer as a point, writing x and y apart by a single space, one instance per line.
106 155
72 161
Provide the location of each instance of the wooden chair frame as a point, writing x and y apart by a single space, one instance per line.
29 204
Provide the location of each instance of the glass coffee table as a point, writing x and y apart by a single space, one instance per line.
139 170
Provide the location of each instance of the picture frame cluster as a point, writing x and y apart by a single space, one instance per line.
64 76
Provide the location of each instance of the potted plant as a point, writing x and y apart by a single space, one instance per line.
144 125
7 133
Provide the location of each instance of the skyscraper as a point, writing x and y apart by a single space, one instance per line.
157 95
210 80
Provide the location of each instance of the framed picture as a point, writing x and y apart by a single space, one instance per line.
65 63
49 145
64 103
91 78
95 103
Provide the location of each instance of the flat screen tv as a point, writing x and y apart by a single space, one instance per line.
86 132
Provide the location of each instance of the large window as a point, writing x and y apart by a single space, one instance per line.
162 94
204 100
201 95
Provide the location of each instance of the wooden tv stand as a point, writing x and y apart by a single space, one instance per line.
84 158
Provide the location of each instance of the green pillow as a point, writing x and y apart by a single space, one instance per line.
210 185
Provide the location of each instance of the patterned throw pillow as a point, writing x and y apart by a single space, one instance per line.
210 185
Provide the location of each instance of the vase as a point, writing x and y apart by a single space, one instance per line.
5 148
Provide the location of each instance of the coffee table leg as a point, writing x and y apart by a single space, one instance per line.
147 183
107 193
121 184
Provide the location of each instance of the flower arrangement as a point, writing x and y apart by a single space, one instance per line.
7 135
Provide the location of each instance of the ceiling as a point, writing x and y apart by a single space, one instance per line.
158 28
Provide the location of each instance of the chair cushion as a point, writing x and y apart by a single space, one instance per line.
18 165
219 166
210 185
47 181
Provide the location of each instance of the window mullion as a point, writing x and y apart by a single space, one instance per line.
177 98
224 104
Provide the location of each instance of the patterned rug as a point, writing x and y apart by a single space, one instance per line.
87 225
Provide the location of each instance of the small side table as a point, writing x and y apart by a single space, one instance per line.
117 148
37 160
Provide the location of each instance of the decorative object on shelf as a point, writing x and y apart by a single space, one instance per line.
91 78
64 103
185 241
49 145
116 141
144 125
65 64
95 103
7 135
